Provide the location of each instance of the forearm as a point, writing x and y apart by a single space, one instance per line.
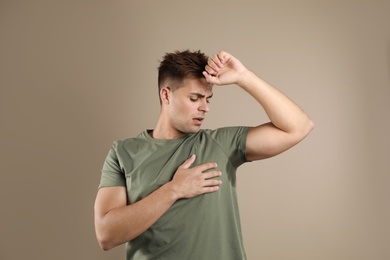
282 111
125 223
117 223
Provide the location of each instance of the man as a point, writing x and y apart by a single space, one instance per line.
170 192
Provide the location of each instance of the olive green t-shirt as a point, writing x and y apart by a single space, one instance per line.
200 228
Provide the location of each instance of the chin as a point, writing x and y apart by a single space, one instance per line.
191 131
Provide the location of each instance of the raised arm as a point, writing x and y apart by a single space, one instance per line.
116 222
289 123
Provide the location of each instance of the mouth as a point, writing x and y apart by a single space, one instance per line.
198 120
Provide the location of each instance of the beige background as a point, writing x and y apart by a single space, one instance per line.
77 75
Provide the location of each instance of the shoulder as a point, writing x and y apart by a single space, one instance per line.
131 142
231 136
226 132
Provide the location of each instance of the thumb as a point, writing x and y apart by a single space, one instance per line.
187 163
210 78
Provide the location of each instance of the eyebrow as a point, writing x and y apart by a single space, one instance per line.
201 95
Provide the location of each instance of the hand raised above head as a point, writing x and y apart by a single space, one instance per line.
223 68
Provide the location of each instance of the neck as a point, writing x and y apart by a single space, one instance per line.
163 130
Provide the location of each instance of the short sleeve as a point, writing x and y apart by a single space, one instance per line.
233 142
112 174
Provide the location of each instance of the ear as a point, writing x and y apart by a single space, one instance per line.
165 95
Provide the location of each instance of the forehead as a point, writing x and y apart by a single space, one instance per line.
196 85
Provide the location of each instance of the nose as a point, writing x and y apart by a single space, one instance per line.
204 106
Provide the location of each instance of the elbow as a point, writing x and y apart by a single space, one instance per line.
108 239
306 125
104 243
309 126
105 247
305 128
105 238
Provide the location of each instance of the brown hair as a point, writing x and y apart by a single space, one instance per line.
177 66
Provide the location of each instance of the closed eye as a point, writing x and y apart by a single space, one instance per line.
196 99
196 96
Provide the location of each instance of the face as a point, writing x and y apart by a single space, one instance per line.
188 105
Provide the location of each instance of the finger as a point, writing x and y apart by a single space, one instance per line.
216 61
210 78
223 56
213 65
187 163
211 174
210 70
206 166
210 189
213 183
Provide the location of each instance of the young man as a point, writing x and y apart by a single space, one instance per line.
170 192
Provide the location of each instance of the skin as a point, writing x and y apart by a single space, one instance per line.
181 113
288 125
184 109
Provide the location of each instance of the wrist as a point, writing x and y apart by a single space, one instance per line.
170 191
245 78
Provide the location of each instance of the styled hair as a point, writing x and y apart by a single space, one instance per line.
179 65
